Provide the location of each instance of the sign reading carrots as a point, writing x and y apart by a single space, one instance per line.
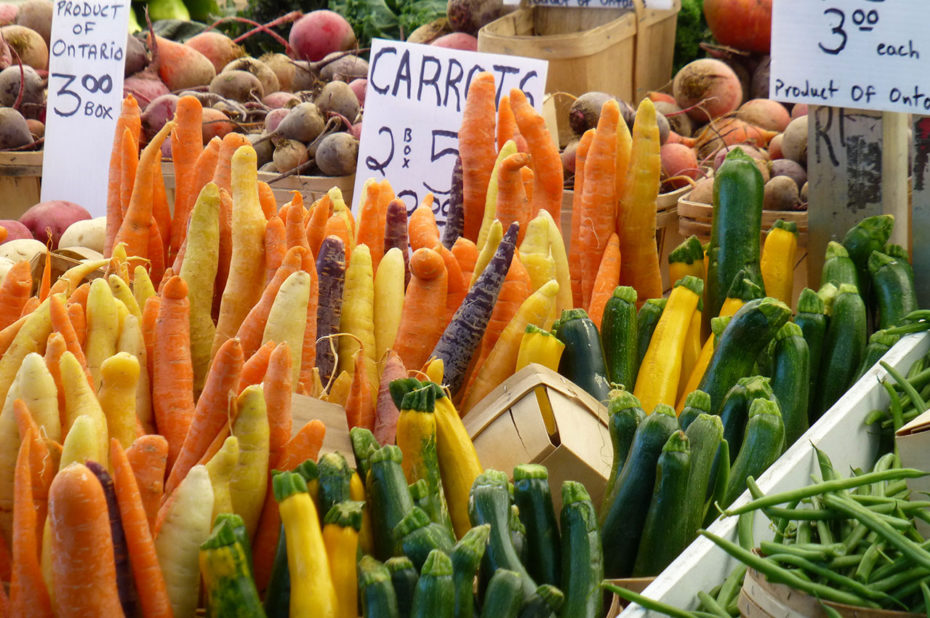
413 111
85 88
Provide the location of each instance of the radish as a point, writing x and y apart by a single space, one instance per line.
709 84
319 33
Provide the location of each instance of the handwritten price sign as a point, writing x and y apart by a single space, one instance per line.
86 64
866 54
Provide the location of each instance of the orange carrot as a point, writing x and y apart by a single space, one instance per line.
161 211
547 164
42 473
476 146
78 322
225 249
148 457
46 282
529 178
421 325
79 295
421 227
512 204
267 199
55 346
31 303
211 410
223 174
608 277
295 227
370 227
457 286
316 223
275 245
28 593
308 351
252 329
599 194
61 286
204 168
516 288
277 388
130 118
61 323
186 147
575 250
6 570
254 369
506 123
337 226
14 292
466 254
9 333
146 571
156 253
360 406
149 318
130 165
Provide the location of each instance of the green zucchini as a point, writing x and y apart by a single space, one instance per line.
489 503
229 589
705 434
278 591
870 234
546 603
364 444
622 521
879 343
894 288
696 403
827 294
504 595
791 380
583 568
435 594
844 346
838 267
748 331
376 589
404 579
518 533
900 254
646 321
334 476
390 499
735 411
763 442
308 471
812 319
237 525
534 501
721 478
664 533
419 536
736 229
618 332
466 558
624 416
419 493
582 360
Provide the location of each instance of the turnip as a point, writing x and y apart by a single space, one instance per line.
678 164
679 122
710 84
215 124
343 67
49 220
36 15
794 144
288 154
781 193
237 85
280 99
180 66
787 167
10 79
319 33
157 113
274 118
257 68
337 154
470 15
359 86
765 113
302 123
457 40
14 229
145 86
283 68
137 57
264 150
338 97
28 43
218 48
14 132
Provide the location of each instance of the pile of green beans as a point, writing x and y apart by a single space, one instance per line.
909 394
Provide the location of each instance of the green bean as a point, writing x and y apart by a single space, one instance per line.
810 551
869 559
906 386
826 466
710 604
874 416
646 602
744 530
897 414
731 585
778 574
904 577
855 537
897 487
845 562
850 584
826 487
925 593
907 329
803 536
823 528
829 611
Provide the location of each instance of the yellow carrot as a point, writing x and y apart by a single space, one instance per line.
358 315
121 292
81 443
490 203
221 467
31 337
495 235
119 386
282 325
389 300
338 392
142 287
132 342
102 327
535 255
560 256
80 399
250 479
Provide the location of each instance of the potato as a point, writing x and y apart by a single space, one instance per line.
21 249
89 233
50 219
5 265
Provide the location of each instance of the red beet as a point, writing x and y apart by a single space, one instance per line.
319 33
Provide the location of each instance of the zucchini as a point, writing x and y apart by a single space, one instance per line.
624 416
736 230
376 590
686 259
696 403
812 319
763 442
870 234
844 346
518 533
364 444
504 595
404 579
278 591
466 558
534 501
237 524
900 254
490 504
622 521
791 379
618 332
735 412
739 345
721 477
664 532
893 287
583 569
229 589
390 499
838 267
879 343
435 595
582 360
419 493
705 435
546 603
419 536
646 321
333 475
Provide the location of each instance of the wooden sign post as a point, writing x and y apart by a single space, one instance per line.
920 211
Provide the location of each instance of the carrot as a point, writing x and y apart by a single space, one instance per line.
360 406
31 304
79 295
512 204
608 277
275 245
84 572
466 254
224 251
547 164
506 123
173 374
316 223
14 292
277 387
331 268
253 326
295 233
130 118
156 254
149 319
211 410
61 323
129 165
148 457
476 147
357 319
254 369
370 226
146 571
338 226
308 347
28 593
222 176
161 211
204 168
55 346
8 334
266 199
490 197
421 227
41 472
386 411
395 233
421 324
529 180
598 197
455 213
186 147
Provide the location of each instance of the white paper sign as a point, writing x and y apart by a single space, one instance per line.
596 4
865 54
85 90
413 112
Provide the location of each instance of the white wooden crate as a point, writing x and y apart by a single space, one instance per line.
840 433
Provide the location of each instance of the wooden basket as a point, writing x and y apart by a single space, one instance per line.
655 47
695 218
20 182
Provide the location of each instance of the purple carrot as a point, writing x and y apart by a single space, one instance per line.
464 332
386 412
331 269
395 233
455 221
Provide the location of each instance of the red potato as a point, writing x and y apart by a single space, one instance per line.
215 124
765 113
14 230
678 163
145 86
359 86
28 43
319 33
710 84
50 219
457 40
180 66
216 47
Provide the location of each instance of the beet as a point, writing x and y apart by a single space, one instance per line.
302 123
145 86
137 57
157 113
14 132
338 97
319 33
237 85
470 15
759 87
679 122
10 78
709 83
257 68
781 193
794 144
586 110
344 68
36 15
337 154
789 168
